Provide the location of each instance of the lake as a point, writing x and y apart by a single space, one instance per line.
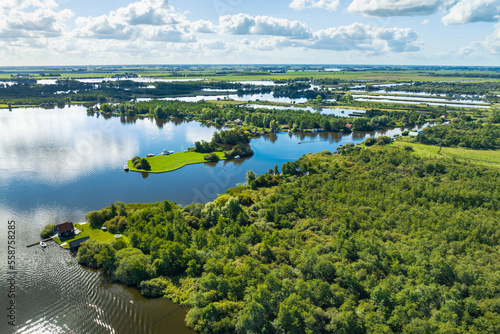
58 164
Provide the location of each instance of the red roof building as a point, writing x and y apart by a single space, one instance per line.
65 229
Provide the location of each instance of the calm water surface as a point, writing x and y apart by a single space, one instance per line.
56 165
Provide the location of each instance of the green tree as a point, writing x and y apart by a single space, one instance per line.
209 215
253 319
213 157
133 267
48 231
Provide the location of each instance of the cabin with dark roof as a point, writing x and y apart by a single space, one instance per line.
75 244
65 230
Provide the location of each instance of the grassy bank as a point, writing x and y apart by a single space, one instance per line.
88 231
483 157
168 163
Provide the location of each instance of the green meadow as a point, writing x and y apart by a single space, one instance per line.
168 163
483 157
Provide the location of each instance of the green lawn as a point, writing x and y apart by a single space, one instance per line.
168 163
94 234
484 157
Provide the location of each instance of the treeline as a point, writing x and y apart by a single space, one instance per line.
453 89
274 119
475 135
374 241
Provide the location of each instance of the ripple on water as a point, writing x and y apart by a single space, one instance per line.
57 295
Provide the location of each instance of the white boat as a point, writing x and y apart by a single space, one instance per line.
43 244
237 157
166 152
150 155
125 167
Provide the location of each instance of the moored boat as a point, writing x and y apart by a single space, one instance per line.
43 244
166 152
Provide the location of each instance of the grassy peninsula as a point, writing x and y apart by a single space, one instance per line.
227 144
171 162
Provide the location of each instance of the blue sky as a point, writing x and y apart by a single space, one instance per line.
93 32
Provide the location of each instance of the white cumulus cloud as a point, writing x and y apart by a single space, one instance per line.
151 20
358 36
243 24
467 11
32 19
395 7
490 45
329 5
457 11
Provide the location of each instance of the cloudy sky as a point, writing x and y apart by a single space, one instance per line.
93 32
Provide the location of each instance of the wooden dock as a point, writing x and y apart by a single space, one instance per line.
38 242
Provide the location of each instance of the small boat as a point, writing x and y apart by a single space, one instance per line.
166 152
43 244
125 167
237 157
150 155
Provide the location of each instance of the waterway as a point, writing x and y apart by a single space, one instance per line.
56 165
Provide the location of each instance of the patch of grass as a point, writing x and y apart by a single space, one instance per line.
484 157
168 163
93 233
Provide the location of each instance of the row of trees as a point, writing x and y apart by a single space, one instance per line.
275 119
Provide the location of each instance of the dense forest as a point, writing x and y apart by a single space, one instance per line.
373 240
475 135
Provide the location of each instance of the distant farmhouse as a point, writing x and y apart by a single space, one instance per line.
65 230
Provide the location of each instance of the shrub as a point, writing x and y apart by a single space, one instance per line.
48 231
154 287
383 140
141 164
95 218
408 148
370 141
211 157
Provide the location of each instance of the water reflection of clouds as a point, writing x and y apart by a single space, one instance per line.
55 147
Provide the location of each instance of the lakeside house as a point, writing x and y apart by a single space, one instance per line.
65 230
